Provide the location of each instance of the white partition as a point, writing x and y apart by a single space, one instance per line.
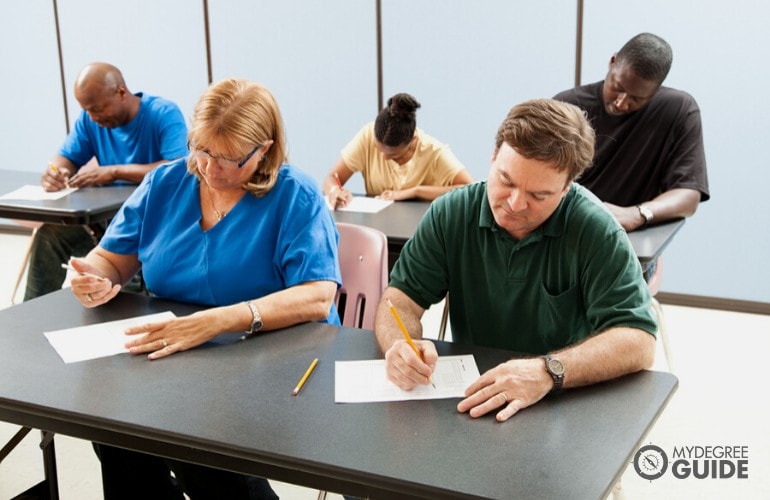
159 45
720 56
318 59
468 63
33 123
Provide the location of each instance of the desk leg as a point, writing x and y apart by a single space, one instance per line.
49 464
96 232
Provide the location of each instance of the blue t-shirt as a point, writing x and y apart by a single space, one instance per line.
262 246
157 132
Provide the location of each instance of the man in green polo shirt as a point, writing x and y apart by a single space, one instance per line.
532 263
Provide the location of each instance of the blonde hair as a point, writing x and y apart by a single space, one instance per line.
240 115
550 131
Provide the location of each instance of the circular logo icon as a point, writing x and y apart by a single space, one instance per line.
650 462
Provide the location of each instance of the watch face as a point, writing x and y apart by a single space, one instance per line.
555 367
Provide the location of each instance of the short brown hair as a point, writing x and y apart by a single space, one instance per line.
550 131
241 114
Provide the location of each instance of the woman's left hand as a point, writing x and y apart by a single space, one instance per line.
167 337
404 194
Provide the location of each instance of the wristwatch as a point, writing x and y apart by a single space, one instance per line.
256 319
646 213
555 369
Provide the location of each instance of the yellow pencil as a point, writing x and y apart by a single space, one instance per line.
57 172
406 334
305 377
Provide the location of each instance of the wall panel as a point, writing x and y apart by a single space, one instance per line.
33 123
468 63
317 58
724 250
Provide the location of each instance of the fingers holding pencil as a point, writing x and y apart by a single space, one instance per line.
55 178
409 363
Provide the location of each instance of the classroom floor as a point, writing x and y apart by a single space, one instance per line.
721 401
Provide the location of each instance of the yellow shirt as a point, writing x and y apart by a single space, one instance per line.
433 163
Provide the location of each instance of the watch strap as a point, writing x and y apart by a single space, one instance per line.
556 375
256 319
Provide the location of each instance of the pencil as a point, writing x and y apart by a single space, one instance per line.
305 377
337 178
406 334
69 267
56 170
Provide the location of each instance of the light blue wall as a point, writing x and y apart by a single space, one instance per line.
467 62
721 51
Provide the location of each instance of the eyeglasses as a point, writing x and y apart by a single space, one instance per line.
203 155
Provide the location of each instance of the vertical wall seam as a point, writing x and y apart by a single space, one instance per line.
61 67
579 44
378 15
207 35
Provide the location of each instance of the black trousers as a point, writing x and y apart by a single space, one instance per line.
129 474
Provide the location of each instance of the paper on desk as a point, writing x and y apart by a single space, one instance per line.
99 340
34 193
365 381
365 204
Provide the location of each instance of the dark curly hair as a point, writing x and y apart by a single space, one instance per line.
396 122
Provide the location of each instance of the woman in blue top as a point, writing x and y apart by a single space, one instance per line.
232 226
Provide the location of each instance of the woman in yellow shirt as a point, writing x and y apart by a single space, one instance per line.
397 160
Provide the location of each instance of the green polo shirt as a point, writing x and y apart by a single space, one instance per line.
574 276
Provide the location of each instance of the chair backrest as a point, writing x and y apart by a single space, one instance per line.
363 254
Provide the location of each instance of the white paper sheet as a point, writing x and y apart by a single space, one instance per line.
365 381
99 340
34 193
365 204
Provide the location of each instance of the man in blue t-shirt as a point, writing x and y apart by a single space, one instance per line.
119 136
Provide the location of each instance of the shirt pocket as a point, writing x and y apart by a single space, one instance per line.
562 319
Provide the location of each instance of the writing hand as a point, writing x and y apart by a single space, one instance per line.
90 288
405 368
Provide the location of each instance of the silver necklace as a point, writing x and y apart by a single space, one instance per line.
220 215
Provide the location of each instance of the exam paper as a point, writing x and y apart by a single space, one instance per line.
99 340
34 193
366 381
365 204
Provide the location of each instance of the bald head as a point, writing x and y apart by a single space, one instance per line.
99 76
102 93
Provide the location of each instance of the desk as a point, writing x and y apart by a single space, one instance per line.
650 242
228 404
85 206
399 222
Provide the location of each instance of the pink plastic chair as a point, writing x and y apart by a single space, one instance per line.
363 254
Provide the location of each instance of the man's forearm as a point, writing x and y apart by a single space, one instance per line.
386 328
610 354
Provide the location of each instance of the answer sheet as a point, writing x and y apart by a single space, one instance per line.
99 340
35 193
365 204
366 381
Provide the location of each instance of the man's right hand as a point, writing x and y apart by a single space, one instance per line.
55 180
405 368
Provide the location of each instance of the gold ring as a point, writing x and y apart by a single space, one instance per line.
165 344
89 298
